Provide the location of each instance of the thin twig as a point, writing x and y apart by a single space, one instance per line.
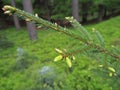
61 29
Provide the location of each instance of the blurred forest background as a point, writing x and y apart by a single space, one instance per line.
85 11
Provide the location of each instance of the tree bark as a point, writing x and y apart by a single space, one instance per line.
15 18
27 5
75 11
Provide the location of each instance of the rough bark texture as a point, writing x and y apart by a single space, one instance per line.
75 11
30 26
15 18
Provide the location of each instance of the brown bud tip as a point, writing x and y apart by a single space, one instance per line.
3 9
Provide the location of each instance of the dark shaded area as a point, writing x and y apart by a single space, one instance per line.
63 23
52 10
104 18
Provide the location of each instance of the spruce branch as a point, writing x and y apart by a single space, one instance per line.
84 35
76 51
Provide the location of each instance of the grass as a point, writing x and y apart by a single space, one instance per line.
41 53
109 29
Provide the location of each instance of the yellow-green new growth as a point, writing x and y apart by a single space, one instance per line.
68 61
111 69
58 50
58 58
8 9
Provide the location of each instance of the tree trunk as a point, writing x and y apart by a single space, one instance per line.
75 11
15 18
30 26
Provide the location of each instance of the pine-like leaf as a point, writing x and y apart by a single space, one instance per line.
68 61
83 32
58 58
99 38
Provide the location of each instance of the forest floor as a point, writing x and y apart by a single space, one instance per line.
21 60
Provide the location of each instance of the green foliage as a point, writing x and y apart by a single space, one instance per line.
4 42
83 73
24 60
110 5
86 72
57 11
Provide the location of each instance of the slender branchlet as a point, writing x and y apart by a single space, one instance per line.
87 41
